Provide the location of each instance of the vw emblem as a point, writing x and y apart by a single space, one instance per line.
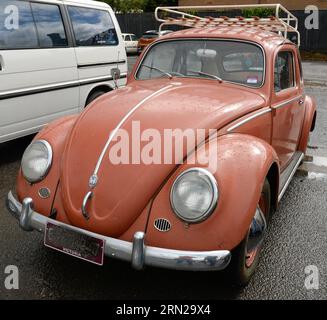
93 181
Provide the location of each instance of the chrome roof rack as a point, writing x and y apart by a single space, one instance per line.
283 22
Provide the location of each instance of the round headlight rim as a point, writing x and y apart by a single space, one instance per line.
49 162
214 202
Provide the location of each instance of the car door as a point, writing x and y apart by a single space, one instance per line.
38 67
99 45
287 104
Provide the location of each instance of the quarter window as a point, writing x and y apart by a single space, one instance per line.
284 71
17 28
93 27
49 24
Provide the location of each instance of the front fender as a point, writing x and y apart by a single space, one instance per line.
309 122
243 164
56 134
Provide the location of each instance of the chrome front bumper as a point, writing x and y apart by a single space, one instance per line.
136 252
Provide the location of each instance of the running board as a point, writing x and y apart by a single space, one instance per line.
288 174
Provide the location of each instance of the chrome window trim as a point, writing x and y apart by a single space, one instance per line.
285 103
208 39
295 82
215 199
248 119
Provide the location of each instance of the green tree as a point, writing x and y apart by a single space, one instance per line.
151 5
258 12
126 6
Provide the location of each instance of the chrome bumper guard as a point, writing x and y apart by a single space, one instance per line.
137 253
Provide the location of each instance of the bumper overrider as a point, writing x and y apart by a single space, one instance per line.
135 252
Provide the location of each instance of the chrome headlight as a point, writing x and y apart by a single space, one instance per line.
194 195
37 160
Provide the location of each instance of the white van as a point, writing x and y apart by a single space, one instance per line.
56 56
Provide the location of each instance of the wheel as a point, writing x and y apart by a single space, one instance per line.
245 258
94 96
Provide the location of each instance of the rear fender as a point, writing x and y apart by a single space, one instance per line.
309 123
243 164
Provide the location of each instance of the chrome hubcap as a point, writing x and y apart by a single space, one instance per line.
256 236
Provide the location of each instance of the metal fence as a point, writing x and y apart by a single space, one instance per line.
312 40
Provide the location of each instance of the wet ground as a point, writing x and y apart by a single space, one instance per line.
297 238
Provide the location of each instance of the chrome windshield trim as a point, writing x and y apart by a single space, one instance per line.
246 120
208 39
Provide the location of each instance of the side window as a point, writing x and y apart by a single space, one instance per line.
17 28
284 71
50 26
134 38
92 27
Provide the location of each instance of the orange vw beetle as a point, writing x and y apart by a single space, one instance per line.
235 79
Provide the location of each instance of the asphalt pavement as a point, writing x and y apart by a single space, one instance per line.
297 238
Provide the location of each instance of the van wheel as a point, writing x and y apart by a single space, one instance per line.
94 96
245 259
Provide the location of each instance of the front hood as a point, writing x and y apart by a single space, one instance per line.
123 191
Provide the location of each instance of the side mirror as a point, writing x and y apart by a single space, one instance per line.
115 73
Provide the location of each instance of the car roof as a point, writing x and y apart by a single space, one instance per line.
251 34
87 2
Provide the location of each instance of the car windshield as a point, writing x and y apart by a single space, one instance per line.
231 61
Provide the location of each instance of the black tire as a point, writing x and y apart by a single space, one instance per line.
239 272
94 96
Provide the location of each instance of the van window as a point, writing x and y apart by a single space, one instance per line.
284 71
92 27
49 24
17 27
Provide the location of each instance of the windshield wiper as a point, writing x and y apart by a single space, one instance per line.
207 74
159 70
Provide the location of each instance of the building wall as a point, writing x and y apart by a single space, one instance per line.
289 4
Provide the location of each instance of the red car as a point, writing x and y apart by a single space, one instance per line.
204 207
150 36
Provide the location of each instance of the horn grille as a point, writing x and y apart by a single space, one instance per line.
162 225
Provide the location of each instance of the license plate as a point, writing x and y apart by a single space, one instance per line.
75 244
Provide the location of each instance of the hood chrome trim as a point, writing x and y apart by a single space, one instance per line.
127 116
93 181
